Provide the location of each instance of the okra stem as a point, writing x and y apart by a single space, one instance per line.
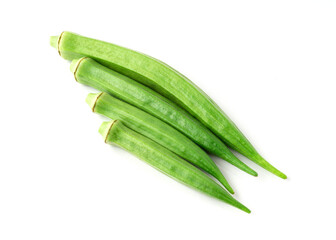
53 41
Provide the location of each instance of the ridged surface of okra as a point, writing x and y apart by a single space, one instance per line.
165 80
164 160
156 130
89 72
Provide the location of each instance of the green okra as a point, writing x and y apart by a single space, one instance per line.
164 160
156 130
89 72
165 80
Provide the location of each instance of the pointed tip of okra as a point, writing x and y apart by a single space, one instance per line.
242 166
232 159
230 190
242 207
54 41
266 165
245 209
225 183
91 99
238 205
278 173
282 175
249 170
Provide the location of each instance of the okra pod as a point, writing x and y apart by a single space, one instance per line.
89 72
165 80
164 160
155 129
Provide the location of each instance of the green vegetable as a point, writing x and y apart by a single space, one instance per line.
165 80
156 130
164 160
89 72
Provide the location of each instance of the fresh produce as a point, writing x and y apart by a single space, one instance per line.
165 80
158 114
156 130
164 160
89 72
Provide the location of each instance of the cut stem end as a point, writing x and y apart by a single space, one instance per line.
91 99
54 41
105 128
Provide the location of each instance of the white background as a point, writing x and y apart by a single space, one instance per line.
271 65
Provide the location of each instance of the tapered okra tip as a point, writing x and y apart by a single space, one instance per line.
277 173
250 171
230 190
239 205
245 209
262 162
53 41
225 183
91 99
283 176
242 207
